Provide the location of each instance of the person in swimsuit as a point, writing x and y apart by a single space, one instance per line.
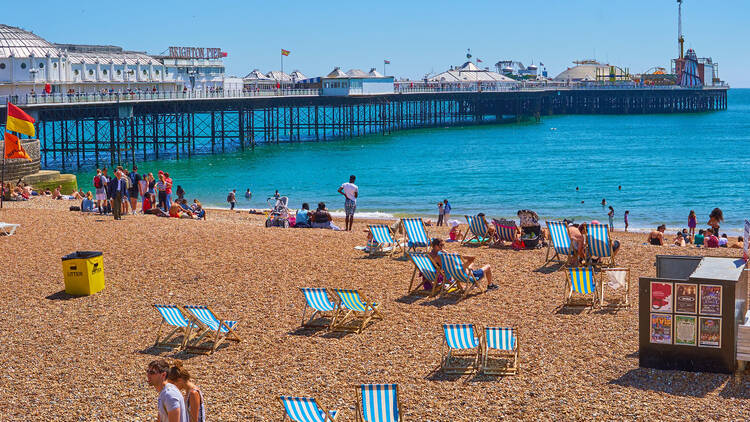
180 377
692 222
436 246
656 237
714 219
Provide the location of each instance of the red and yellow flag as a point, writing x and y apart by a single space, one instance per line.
19 121
13 148
285 52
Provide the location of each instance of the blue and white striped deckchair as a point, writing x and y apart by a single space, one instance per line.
354 311
424 265
205 318
500 343
305 409
462 341
378 403
172 316
416 234
599 244
383 239
558 231
505 231
458 276
580 280
478 230
317 300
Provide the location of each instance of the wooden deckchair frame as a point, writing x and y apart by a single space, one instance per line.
436 286
485 239
445 356
379 249
406 238
622 304
326 418
218 336
165 342
318 314
550 246
344 317
510 356
581 301
360 406
497 242
450 283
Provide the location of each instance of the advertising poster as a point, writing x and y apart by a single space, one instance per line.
686 298
661 297
710 299
685 330
709 332
661 328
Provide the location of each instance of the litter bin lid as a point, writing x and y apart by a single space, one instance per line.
719 268
81 255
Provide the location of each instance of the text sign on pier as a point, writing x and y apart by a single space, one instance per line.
195 53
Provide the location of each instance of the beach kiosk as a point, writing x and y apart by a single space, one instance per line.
689 314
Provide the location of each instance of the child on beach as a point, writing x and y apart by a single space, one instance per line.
692 222
455 232
698 239
611 215
440 214
627 214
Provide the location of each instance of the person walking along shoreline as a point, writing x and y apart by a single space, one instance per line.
351 193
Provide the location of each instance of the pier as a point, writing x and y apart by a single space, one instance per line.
79 131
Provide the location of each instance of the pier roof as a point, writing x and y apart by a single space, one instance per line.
279 75
17 42
469 72
256 74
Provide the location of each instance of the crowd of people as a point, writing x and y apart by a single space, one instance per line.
708 238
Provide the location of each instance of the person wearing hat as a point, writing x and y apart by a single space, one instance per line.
455 232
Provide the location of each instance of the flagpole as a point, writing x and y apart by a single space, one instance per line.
2 177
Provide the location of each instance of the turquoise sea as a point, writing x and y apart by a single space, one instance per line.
666 165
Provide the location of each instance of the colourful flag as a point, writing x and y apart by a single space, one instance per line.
386 62
479 60
224 54
13 148
285 52
19 121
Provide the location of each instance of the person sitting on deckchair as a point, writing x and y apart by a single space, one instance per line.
436 246
576 244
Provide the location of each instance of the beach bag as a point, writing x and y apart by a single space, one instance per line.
517 245
75 208
97 182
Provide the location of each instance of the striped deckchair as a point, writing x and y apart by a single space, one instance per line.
383 239
581 281
8 228
424 265
500 344
462 342
378 403
415 234
172 315
317 300
505 231
354 311
478 229
305 409
458 277
558 231
599 245
206 319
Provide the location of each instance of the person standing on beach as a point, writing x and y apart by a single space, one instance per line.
116 188
351 193
161 189
611 215
135 188
195 406
441 212
101 193
627 215
446 210
692 223
170 405
232 198
714 219
168 189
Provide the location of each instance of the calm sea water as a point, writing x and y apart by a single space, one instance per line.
666 165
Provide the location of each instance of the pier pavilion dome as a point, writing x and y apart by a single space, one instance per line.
16 42
587 70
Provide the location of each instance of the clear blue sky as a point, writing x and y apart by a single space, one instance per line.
417 36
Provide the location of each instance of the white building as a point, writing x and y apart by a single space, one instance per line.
356 82
469 74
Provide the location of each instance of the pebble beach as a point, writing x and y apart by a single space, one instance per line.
84 358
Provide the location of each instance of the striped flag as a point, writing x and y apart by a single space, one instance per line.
386 62
13 148
19 121
285 52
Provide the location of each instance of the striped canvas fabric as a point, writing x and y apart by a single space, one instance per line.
560 238
379 402
416 233
350 300
598 239
204 315
305 409
172 315
460 336
318 299
506 232
454 267
500 338
381 233
424 265
477 225
582 280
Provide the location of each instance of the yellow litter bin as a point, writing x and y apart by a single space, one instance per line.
83 272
